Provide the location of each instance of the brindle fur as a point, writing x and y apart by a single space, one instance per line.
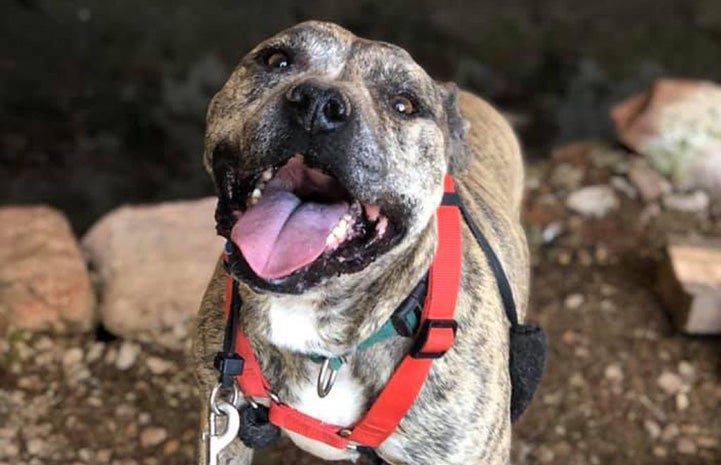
462 413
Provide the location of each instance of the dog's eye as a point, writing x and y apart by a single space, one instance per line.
277 60
403 105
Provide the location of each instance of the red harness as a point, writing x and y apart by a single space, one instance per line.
435 336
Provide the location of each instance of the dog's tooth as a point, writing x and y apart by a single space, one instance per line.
256 194
267 175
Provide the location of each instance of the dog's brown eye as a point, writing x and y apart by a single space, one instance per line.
277 60
403 105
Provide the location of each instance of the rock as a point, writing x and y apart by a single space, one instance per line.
670 432
686 370
671 383
152 436
685 446
171 447
682 401
652 428
158 366
660 452
675 126
153 263
574 301
72 357
566 177
620 184
650 184
694 202
613 373
595 201
688 280
127 354
45 285
707 442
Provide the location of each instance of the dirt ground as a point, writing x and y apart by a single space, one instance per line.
621 386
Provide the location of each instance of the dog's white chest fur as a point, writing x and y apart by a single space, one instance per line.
292 327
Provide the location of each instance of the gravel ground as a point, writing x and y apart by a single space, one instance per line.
620 386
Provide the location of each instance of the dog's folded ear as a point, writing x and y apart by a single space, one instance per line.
457 149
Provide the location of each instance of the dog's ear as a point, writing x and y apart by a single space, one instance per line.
457 149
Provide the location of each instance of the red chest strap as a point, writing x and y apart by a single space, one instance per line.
435 336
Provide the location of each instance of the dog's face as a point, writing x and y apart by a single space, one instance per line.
327 151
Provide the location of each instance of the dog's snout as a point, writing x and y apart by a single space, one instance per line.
319 108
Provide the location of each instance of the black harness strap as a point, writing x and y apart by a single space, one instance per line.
528 344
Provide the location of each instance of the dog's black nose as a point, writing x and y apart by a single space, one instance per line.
319 108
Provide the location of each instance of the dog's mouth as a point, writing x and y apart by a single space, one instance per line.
295 220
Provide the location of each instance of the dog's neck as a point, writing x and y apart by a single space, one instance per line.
334 319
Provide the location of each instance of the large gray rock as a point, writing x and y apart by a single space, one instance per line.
152 264
676 125
44 284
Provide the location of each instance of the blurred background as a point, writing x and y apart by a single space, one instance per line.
102 104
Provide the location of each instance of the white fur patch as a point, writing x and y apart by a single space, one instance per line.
292 325
342 407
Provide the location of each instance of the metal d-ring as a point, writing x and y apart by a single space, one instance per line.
234 398
326 378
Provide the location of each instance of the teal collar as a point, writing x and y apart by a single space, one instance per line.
404 323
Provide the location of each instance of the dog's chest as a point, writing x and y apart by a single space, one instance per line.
292 327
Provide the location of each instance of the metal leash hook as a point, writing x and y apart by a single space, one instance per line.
216 442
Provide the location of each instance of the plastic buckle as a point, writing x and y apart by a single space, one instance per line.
424 335
229 366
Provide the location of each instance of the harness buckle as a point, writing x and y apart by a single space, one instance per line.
434 339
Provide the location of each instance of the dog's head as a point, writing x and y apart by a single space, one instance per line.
328 151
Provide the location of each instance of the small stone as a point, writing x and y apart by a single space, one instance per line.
671 383
686 446
144 418
127 354
682 401
94 353
545 454
623 186
574 301
613 373
103 456
686 370
694 202
9 447
660 452
566 177
171 447
577 380
652 428
594 201
152 436
648 181
707 442
670 432
72 357
37 446
158 366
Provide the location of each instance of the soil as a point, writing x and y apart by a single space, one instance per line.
621 386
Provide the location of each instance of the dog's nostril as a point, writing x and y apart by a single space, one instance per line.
334 110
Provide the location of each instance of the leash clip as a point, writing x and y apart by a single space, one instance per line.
215 442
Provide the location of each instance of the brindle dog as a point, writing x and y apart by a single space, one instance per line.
354 129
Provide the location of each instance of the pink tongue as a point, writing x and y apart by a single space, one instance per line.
281 234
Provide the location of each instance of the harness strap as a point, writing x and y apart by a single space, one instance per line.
436 336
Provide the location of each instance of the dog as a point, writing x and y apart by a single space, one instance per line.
329 153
